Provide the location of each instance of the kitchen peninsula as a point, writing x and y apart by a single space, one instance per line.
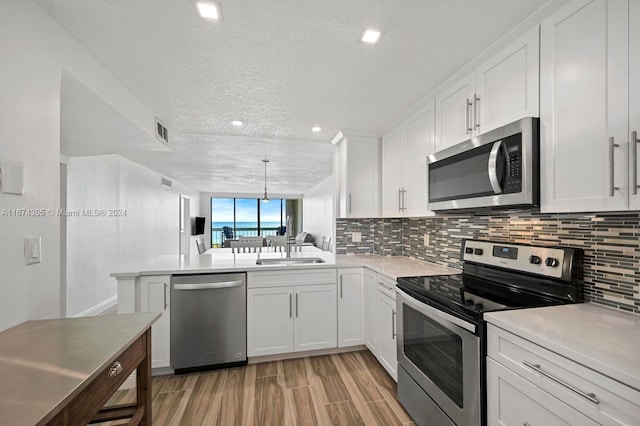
348 298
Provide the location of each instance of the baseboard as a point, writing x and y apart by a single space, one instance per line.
291 355
99 308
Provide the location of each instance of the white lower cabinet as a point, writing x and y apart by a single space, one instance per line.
530 384
350 307
514 401
155 297
269 321
370 309
386 334
315 319
283 318
385 324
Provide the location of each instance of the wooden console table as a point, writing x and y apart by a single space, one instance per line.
63 371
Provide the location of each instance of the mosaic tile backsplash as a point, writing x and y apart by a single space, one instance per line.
611 243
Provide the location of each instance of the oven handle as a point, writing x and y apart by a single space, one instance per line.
493 167
431 311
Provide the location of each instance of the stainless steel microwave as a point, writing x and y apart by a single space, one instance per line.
497 169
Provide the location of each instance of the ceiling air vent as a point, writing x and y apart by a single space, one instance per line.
166 182
162 134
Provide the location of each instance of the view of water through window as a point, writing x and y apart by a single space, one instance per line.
245 217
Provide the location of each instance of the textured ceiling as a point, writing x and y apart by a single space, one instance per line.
281 66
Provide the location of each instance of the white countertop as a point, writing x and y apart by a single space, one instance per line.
601 338
223 260
394 266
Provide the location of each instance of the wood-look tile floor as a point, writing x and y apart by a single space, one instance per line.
341 389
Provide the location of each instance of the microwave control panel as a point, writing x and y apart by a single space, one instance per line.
513 173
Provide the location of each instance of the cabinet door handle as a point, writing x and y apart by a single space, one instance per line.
393 324
340 286
399 199
476 113
349 202
468 116
165 296
290 305
612 147
296 305
404 199
536 367
634 146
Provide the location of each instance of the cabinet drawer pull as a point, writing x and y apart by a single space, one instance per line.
612 147
296 305
115 369
290 305
340 286
536 367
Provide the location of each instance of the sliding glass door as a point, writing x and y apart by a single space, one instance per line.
246 217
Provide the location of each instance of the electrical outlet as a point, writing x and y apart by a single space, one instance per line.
356 237
425 240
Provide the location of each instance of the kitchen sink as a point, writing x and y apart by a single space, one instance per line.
294 261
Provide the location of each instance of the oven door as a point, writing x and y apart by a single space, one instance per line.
441 353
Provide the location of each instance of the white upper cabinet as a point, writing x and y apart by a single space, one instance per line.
507 85
501 90
584 105
392 171
634 103
454 112
358 177
404 166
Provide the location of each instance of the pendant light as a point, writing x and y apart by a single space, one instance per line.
265 198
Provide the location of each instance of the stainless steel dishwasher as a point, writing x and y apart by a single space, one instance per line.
208 321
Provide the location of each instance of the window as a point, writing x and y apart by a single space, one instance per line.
245 217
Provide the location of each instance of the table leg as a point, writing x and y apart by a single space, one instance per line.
143 381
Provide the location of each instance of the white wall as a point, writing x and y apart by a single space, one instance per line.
34 51
318 211
100 245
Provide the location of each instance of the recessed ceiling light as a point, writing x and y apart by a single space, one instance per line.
371 36
237 123
209 10
316 129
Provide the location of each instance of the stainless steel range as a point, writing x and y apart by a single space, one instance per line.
441 333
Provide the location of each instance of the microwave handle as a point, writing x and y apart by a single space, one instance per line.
493 167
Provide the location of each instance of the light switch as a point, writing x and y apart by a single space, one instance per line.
426 240
32 249
356 237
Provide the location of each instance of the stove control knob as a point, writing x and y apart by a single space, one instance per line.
535 259
468 302
468 250
479 307
551 261
478 252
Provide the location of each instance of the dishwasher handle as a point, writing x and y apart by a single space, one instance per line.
208 286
